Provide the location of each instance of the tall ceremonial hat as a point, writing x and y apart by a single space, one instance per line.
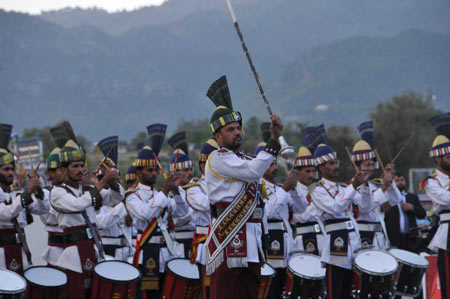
66 140
441 144
219 94
109 147
131 173
180 158
265 132
207 148
323 153
362 150
148 155
304 155
6 156
53 161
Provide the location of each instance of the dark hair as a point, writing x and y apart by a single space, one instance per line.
399 174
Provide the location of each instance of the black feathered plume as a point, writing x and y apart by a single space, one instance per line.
6 131
365 130
109 147
62 133
156 133
219 94
265 131
441 124
322 133
179 141
312 139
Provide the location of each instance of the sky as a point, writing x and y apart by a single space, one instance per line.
36 6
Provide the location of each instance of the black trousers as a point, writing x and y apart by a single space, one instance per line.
443 263
339 282
277 284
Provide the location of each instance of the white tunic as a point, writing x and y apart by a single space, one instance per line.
333 201
437 188
225 175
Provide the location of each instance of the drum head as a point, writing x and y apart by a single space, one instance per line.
11 283
409 258
183 268
307 266
117 271
376 262
267 270
45 276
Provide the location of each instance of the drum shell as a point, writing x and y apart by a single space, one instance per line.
12 296
106 288
176 286
374 286
265 283
9 293
409 279
37 291
301 286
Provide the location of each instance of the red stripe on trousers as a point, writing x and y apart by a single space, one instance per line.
447 272
330 293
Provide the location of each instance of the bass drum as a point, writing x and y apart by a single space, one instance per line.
12 285
375 274
45 282
267 273
182 280
115 279
412 269
305 277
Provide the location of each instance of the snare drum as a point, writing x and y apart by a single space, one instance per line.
115 279
182 280
412 269
305 277
267 273
45 282
375 274
12 285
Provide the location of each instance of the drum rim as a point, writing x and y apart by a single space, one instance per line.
274 271
39 285
177 275
375 273
409 263
301 275
17 291
119 281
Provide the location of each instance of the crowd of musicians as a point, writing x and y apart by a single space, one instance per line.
228 222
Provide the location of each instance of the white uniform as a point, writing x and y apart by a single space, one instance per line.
10 208
197 199
333 201
63 203
146 203
308 215
225 175
277 207
438 189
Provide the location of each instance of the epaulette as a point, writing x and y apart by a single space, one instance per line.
377 181
424 182
129 192
222 150
190 185
312 187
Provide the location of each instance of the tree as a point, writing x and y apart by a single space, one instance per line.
403 122
340 138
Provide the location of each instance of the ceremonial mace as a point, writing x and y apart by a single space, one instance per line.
287 152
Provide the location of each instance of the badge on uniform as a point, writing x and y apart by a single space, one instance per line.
238 246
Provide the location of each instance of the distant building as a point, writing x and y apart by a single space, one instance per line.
30 152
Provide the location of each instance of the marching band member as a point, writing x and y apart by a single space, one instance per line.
437 188
309 234
55 233
334 207
234 244
74 207
14 252
146 204
371 219
181 164
197 198
130 177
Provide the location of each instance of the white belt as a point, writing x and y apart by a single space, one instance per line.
370 227
153 240
276 226
345 225
444 217
114 241
201 230
184 235
308 229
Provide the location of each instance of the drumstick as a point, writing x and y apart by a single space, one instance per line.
160 166
398 155
379 160
351 160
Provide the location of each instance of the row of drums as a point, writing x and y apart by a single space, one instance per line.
378 274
